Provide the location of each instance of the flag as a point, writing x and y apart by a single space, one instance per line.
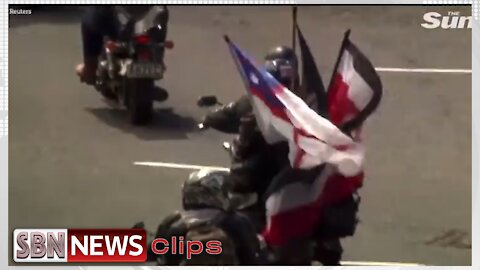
282 116
355 91
354 94
312 88
295 209
318 149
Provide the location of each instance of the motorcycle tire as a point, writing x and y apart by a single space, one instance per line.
139 101
108 94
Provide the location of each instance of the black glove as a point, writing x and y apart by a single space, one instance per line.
227 118
223 119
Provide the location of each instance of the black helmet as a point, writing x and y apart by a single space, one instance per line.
281 62
206 188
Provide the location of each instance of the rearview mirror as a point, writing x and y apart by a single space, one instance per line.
207 101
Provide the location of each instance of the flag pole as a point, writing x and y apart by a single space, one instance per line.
242 75
294 27
240 70
342 47
294 45
227 40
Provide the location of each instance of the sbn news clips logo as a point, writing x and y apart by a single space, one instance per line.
453 20
100 245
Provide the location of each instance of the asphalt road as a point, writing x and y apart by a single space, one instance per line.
71 156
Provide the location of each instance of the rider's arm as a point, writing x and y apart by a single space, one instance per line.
227 118
223 119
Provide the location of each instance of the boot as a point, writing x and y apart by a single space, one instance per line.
87 71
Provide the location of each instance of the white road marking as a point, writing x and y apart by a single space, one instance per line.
354 263
424 70
178 166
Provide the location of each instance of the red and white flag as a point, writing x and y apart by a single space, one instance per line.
294 209
355 91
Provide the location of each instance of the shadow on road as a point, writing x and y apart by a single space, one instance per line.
165 125
46 14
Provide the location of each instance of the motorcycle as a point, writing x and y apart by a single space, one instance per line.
130 64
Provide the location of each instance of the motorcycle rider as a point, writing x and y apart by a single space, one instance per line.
207 216
238 117
255 163
101 21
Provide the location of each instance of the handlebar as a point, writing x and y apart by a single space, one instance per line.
207 102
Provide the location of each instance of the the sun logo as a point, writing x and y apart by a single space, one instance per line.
453 20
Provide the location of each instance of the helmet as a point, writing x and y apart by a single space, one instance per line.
206 188
281 63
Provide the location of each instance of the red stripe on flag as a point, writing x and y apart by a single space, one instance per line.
275 111
340 107
297 222
302 221
339 187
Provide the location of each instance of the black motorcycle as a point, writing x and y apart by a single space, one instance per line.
130 64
